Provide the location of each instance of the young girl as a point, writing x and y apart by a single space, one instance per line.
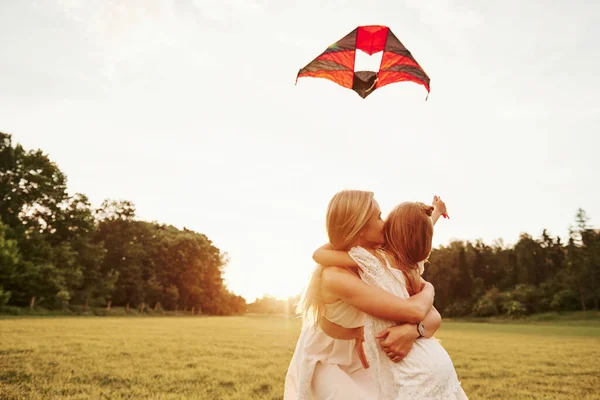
427 371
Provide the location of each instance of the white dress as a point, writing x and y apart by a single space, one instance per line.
324 368
427 371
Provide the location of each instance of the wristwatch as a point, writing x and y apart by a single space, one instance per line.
421 329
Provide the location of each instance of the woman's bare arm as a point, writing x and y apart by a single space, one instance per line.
397 341
432 322
374 301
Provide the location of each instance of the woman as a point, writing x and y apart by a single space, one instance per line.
427 372
329 362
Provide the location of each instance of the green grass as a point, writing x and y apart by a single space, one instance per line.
581 318
247 357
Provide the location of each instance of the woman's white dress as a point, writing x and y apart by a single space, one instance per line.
324 368
427 371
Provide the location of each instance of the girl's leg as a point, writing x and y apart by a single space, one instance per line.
332 383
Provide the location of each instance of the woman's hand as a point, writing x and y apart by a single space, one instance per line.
427 285
396 341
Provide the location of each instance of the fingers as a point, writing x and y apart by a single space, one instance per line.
386 347
383 334
395 357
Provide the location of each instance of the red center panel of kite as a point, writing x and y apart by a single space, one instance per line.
371 39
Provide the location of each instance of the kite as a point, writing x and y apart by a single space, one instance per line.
337 62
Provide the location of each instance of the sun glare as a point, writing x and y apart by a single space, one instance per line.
285 290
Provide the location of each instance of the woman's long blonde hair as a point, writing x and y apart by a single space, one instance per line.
347 214
408 234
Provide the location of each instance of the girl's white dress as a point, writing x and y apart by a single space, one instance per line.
427 371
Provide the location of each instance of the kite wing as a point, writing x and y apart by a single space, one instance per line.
337 62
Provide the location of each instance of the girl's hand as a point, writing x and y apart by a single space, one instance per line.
440 207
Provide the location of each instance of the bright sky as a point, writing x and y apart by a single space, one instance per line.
189 109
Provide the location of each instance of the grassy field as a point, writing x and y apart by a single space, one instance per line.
247 357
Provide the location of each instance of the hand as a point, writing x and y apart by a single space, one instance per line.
396 341
426 284
440 207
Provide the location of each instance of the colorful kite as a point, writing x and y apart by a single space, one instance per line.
337 62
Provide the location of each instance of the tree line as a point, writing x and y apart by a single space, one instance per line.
535 275
56 251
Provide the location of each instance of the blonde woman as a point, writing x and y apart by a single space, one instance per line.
427 372
329 361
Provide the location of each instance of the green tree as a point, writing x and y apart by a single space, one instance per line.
32 197
10 259
578 258
32 188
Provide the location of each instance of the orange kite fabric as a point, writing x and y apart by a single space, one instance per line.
337 62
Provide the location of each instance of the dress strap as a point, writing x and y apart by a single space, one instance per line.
336 331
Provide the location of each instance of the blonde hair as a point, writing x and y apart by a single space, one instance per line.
408 234
347 214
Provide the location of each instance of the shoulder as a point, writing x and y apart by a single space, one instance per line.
336 280
334 276
362 256
368 261
332 273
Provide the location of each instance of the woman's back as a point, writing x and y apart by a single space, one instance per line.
344 314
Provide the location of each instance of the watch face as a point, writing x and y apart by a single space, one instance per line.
421 330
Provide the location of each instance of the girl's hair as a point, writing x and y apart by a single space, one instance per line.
408 233
347 214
